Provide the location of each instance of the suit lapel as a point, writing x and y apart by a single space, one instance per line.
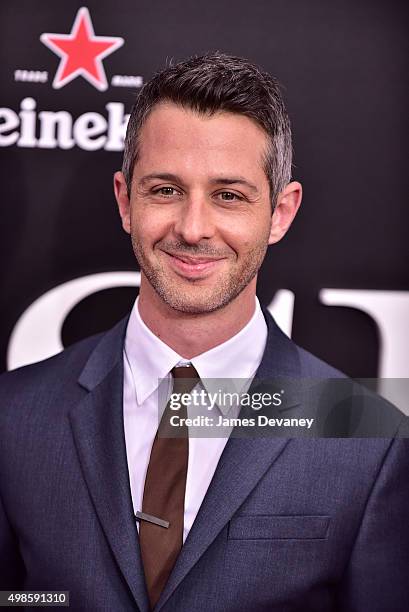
243 463
98 429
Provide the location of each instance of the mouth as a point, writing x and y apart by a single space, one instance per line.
192 267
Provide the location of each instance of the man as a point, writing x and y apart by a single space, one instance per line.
94 500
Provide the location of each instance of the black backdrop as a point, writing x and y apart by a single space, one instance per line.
344 66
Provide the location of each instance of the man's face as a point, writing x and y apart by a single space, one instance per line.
200 211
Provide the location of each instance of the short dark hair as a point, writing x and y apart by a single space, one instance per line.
218 82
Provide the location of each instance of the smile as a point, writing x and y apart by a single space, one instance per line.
192 267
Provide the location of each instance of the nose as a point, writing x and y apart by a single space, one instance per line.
195 221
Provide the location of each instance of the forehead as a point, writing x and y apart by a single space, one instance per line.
174 135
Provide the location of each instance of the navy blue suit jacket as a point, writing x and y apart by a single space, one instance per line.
287 525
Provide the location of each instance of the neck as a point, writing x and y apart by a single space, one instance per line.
192 334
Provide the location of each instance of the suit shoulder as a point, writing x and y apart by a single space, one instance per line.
60 368
367 412
312 366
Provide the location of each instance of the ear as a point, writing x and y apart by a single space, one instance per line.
122 199
288 203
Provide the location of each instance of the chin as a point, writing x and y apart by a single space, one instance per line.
193 306
181 302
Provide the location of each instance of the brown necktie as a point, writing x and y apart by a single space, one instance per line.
164 492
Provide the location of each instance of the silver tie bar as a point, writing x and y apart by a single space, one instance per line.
142 516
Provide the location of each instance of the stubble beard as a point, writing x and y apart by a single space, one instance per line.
192 298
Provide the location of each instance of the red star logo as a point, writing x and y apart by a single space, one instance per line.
81 52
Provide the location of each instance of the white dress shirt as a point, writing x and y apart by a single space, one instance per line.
147 365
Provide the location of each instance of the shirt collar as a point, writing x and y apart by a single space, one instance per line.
150 359
230 366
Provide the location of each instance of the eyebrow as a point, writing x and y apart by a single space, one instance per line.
226 180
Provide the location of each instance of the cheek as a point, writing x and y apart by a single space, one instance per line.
244 238
148 227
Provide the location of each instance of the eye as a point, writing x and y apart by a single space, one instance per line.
229 196
166 192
